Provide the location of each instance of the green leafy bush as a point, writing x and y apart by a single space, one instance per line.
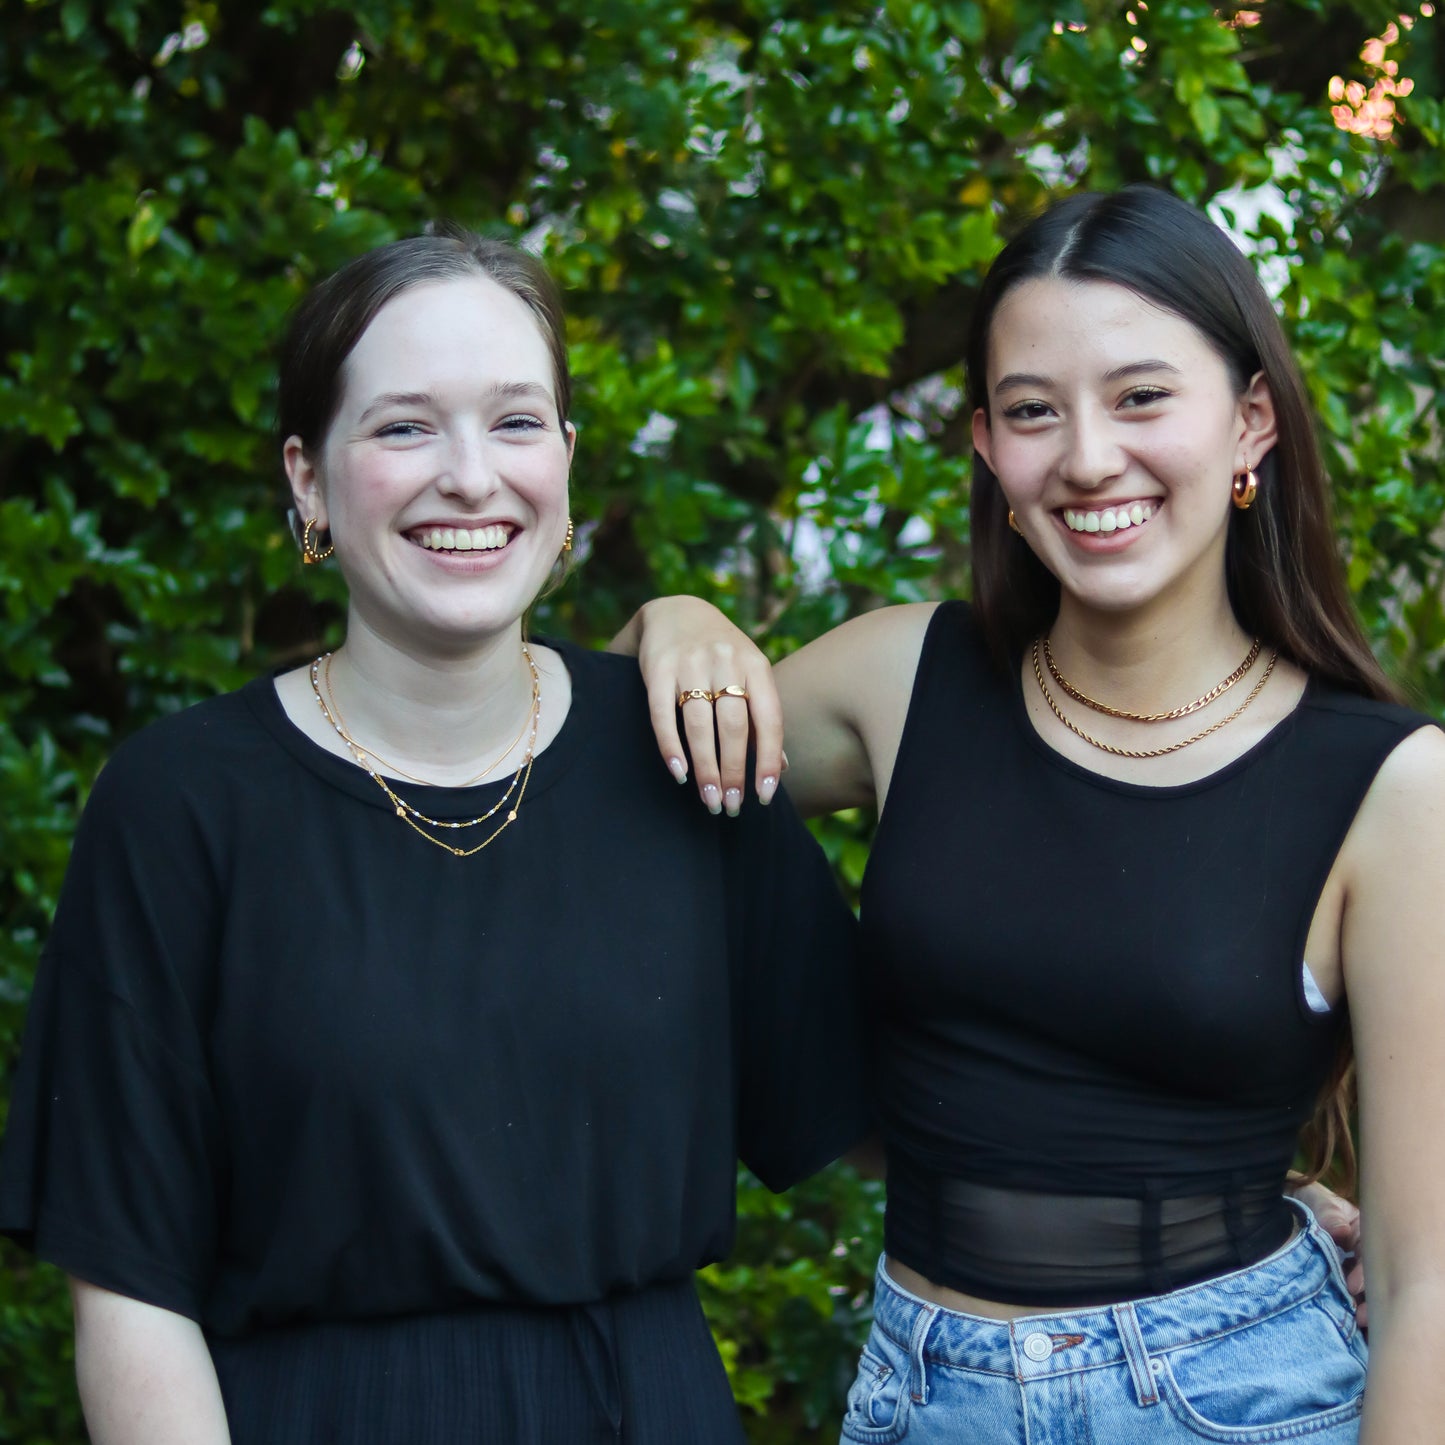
771 218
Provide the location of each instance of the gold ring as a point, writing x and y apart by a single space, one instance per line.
733 689
694 694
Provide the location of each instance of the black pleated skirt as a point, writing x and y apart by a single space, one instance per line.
638 1369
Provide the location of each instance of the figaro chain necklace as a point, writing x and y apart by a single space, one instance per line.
414 818
1099 743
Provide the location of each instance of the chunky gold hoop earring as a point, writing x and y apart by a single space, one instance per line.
1245 489
567 540
309 555
1013 525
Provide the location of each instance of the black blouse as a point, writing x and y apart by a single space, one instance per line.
287 1061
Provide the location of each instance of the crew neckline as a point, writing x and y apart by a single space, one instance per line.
448 802
1272 739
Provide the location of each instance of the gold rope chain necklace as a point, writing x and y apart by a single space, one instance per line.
1148 752
1218 690
414 818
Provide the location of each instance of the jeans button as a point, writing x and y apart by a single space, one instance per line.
1038 1346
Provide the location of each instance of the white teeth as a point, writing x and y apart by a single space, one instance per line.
466 539
1109 519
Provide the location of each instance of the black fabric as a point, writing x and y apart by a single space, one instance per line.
1089 992
287 1062
637 1367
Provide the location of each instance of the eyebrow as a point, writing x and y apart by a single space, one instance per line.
519 389
1119 373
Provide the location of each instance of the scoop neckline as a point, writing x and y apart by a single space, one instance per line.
1272 739
447 802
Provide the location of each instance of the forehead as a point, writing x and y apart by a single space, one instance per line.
441 335
1067 324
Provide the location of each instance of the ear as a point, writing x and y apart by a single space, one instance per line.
1260 427
305 482
983 438
571 434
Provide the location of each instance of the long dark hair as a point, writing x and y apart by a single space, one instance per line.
1283 570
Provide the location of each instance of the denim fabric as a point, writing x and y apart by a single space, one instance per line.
1266 1353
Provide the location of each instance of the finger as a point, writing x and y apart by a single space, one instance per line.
731 717
662 708
697 726
1355 1279
767 719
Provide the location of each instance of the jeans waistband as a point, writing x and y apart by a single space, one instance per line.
1042 1344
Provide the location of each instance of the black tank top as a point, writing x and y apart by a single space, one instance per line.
1096 1052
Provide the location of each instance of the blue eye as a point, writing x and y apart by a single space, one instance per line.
400 429
521 422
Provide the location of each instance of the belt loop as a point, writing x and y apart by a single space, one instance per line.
918 1385
1135 1355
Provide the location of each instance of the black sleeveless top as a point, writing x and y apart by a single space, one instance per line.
1096 1053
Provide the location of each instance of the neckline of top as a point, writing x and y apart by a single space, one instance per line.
442 801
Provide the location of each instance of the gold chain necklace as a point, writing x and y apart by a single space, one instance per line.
414 818
402 772
1150 717
1149 752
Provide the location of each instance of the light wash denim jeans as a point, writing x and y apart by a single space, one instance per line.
1266 1353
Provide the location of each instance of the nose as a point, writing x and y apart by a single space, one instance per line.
469 471
1092 453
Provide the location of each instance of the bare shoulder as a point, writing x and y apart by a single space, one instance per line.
1407 795
845 698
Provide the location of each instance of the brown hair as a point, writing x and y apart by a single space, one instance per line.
331 318
1285 579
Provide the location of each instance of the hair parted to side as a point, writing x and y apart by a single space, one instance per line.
331 318
1284 574
1286 582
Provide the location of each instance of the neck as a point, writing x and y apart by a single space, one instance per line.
1147 660
443 711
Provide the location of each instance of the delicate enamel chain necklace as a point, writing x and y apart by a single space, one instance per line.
1099 743
414 818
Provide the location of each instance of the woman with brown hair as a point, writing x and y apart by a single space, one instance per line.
401 1026
1158 846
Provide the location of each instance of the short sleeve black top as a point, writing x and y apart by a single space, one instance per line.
287 1061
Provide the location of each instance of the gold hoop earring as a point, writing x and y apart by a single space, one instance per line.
1245 489
1013 524
567 540
309 555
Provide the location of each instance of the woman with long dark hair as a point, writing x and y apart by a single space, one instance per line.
1158 865
401 1026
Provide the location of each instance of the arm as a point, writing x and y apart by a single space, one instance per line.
1394 963
145 1374
844 697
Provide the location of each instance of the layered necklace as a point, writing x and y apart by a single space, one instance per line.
1173 715
414 818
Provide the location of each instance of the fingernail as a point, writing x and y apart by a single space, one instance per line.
766 789
785 761
733 802
709 796
678 769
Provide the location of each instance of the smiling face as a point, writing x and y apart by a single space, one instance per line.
1115 431
443 475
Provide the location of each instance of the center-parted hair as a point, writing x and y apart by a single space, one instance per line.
1283 570
332 317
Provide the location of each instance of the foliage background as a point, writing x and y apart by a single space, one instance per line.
770 216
